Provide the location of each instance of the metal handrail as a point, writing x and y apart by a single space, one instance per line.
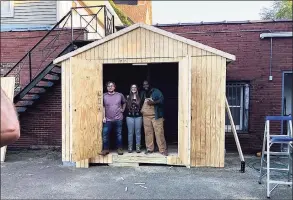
69 13
36 64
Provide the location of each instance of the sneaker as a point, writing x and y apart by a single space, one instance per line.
129 150
120 151
137 149
104 152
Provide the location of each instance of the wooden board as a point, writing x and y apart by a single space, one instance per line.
7 85
86 108
184 116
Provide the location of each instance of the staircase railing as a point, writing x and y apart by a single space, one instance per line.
80 23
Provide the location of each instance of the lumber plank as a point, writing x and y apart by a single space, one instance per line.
203 107
208 109
214 143
221 130
63 110
67 111
198 106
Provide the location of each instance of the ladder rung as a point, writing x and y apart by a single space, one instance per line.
280 182
277 169
277 153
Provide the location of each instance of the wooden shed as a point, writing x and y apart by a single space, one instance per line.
192 77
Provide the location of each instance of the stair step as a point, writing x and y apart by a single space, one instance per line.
37 91
56 70
45 84
29 97
51 78
20 109
54 73
22 103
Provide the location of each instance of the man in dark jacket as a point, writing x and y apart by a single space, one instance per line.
153 118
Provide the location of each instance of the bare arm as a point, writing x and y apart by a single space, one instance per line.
104 115
10 129
123 107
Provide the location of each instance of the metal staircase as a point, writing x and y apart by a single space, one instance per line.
35 73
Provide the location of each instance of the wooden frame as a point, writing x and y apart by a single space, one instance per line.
202 117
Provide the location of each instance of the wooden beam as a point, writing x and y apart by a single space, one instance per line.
234 131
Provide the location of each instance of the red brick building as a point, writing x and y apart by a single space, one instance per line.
256 60
251 94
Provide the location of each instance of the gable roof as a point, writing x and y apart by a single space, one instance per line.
228 56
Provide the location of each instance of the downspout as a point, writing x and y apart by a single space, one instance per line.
271 59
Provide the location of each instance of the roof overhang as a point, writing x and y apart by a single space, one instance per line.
228 56
276 34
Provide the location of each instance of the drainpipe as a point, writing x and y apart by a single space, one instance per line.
271 59
271 53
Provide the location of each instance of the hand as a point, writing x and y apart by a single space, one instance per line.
122 110
104 120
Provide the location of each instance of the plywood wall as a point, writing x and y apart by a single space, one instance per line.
208 111
207 85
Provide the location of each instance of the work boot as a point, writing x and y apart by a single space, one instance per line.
164 153
137 148
120 151
104 152
148 152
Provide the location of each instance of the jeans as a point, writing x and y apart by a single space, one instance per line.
107 127
134 125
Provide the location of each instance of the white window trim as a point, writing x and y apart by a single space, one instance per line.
241 106
11 13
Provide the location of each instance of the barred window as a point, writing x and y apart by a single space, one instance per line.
237 94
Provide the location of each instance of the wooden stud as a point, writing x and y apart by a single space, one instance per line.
208 110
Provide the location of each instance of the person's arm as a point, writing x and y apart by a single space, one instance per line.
104 111
159 98
123 103
10 128
104 115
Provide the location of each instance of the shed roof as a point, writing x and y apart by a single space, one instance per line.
228 56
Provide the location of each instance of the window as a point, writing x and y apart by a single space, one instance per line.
7 9
125 2
238 99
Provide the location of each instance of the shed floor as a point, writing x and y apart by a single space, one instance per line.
41 175
136 158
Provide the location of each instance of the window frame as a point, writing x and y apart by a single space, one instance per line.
243 105
9 13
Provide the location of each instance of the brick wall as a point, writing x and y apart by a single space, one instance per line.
252 64
41 124
142 12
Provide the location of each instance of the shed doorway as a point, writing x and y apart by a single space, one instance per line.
163 76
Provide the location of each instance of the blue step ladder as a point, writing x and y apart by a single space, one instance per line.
268 141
